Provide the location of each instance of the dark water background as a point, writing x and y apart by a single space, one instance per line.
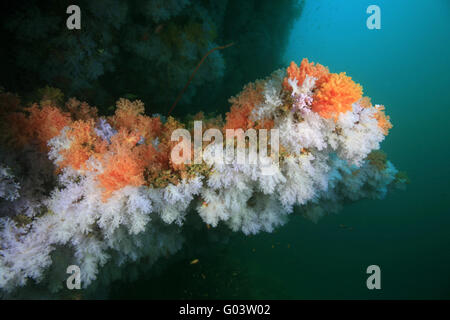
406 67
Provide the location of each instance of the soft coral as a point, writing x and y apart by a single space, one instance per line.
336 95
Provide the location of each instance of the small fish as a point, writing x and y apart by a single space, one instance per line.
343 226
159 28
195 261
203 276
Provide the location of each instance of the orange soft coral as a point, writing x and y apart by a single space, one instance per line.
243 105
130 115
81 110
84 144
33 125
365 102
336 95
45 123
317 71
383 119
126 162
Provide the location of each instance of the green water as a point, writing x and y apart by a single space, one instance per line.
406 67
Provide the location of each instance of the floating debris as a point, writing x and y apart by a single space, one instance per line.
343 226
159 28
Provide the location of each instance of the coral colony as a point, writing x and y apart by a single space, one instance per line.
98 192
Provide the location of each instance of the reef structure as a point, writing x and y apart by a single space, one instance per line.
98 192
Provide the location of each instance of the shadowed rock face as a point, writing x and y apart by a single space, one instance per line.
144 50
